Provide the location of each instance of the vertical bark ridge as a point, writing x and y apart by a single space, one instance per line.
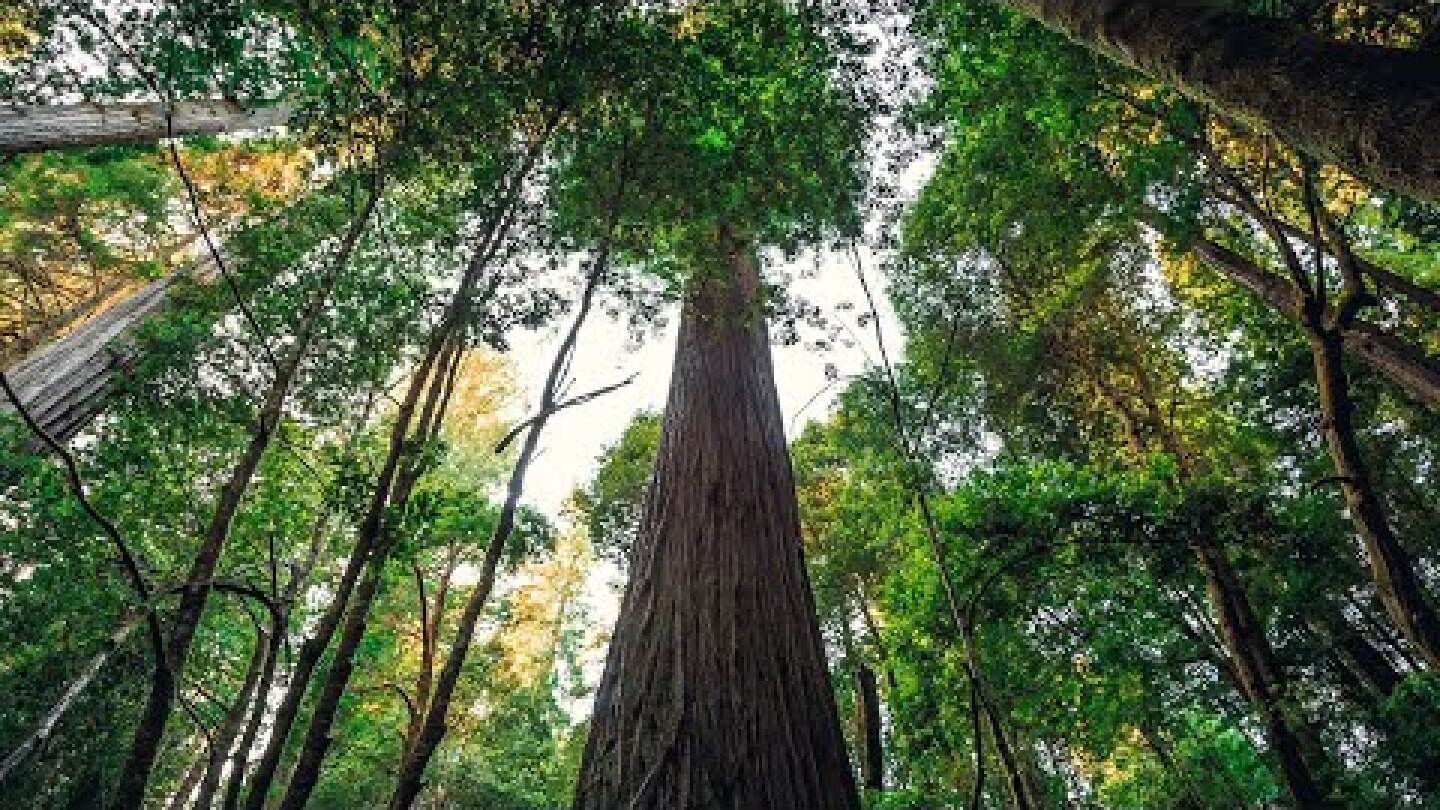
716 692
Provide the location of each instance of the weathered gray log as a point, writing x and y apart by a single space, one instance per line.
63 384
37 128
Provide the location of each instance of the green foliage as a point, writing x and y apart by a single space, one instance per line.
612 503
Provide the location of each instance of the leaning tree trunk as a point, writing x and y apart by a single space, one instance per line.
1391 567
715 692
868 729
63 385
1374 111
1261 679
195 590
41 127
1403 363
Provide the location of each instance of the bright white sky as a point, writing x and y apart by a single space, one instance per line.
574 438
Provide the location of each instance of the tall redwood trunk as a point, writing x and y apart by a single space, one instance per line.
1374 111
715 692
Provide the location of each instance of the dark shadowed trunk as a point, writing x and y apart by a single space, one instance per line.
867 715
1372 676
233 723
1371 110
1391 568
716 692
1261 680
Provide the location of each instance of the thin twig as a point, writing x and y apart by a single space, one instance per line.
546 413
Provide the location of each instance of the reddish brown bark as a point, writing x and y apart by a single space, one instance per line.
716 692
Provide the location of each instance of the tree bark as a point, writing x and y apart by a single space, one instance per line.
1260 678
234 722
1373 111
867 711
62 384
420 746
1401 363
372 545
39 128
1391 568
1373 673
715 692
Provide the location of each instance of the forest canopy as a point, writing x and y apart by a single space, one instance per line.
1117 490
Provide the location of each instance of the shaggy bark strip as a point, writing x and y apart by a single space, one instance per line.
1371 110
715 693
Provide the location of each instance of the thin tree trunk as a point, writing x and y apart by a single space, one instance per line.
1247 650
38 128
1402 363
1015 781
715 692
1254 661
436 710
1373 672
258 708
867 712
44 729
195 591
383 493
234 722
1373 111
1391 568
317 738
308 658
280 622
392 490
183 791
